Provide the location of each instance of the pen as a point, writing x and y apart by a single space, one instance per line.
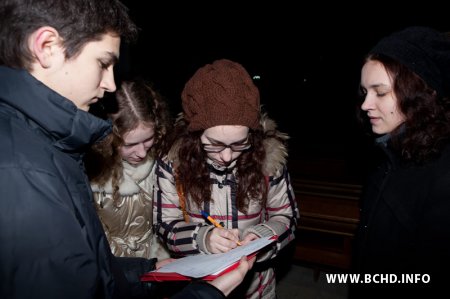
216 224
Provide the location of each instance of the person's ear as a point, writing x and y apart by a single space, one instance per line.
45 44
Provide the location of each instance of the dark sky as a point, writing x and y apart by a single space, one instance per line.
308 57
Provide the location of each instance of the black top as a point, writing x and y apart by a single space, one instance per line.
405 224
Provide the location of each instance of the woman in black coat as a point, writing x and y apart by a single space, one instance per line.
403 241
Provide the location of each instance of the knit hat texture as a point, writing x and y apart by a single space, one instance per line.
424 51
221 93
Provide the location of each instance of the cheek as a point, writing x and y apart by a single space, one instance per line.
85 70
236 155
213 156
397 118
395 114
148 145
124 152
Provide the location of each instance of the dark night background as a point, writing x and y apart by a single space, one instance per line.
308 58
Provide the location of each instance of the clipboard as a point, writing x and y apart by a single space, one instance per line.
207 266
173 276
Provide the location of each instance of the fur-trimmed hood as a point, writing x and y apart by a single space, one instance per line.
276 151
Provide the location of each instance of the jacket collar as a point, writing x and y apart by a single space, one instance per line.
384 142
69 128
132 177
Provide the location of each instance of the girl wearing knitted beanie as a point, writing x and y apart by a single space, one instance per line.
405 217
228 160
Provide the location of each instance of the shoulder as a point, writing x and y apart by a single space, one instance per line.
164 167
22 149
172 156
275 147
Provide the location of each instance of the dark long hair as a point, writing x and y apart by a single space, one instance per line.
251 181
427 116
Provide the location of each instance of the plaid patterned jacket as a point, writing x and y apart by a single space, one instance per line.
279 217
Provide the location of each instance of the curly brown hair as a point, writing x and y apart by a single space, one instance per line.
137 102
251 180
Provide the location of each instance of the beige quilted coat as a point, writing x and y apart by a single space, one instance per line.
128 223
278 218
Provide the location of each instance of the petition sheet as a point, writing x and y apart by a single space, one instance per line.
205 264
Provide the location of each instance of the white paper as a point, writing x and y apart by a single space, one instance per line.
205 264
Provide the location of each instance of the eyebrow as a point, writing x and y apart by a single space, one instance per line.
378 85
112 57
212 140
134 143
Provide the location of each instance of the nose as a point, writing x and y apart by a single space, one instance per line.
226 155
107 82
140 150
367 103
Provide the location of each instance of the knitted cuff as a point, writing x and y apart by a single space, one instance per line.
201 238
262 230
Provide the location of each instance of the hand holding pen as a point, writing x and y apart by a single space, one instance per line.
220 239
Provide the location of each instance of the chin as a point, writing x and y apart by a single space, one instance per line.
137 162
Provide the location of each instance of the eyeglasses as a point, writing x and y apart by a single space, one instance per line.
235 147
217 148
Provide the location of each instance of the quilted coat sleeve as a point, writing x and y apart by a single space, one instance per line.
281 213
180 236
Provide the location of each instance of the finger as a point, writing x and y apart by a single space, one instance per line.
251 261
227 244
235 233
232 235
229 281
245 264
224 237
219 244
250 237
213 241
246 240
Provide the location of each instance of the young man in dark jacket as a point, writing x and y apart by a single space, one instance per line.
57 58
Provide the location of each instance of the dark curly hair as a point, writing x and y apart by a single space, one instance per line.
252 184
426 128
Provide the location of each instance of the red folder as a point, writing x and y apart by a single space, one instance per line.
161 276
250 250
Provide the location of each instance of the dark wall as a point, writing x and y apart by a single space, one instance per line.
308 58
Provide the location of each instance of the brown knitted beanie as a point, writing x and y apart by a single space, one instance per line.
221 93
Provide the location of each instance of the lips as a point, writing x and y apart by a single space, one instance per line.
374 120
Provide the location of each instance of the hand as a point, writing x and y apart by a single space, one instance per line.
161 263
222 240
248 238
229 281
